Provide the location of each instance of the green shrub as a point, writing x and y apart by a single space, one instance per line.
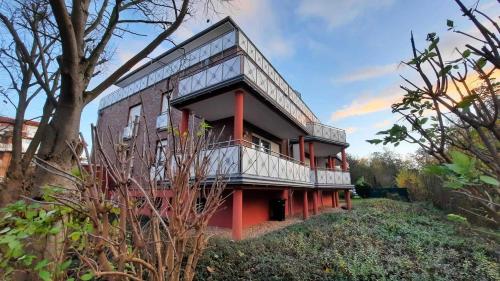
379 240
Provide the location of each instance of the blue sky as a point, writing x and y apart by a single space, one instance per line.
343 56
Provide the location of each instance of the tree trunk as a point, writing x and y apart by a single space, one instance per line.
62 130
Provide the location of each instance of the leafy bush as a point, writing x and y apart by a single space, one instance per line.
379 240
413 182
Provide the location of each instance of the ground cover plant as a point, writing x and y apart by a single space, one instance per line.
380 239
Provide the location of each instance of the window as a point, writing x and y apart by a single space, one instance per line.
261 144
161 146
164 103
133 112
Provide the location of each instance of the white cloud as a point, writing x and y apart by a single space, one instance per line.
340 12
369 103
383 124
368 73
351 130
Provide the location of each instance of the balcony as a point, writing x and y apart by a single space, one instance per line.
326 132
244 67
199 54
162 121
325 177
244 164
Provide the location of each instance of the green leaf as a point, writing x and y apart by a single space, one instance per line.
466 53
41 264
75 236
86 276
489 180
63 266
466 101
45 275
445 70
449 23
374 141
481 62
456 218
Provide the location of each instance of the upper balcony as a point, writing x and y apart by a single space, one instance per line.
212 65
327 132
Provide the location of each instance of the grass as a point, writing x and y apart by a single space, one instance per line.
380 239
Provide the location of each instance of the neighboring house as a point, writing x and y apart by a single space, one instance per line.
279 149
6 130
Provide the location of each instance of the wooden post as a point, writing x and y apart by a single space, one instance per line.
237 213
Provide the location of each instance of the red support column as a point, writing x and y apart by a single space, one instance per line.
237 214
344 160
284 196
333 199
302 150
337 198
315 202
184 126
238 115
334 162
305 209
348 202
312 158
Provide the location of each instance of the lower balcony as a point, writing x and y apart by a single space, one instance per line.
246 164
330 178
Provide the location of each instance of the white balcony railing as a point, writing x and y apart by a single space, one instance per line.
327 132
162 121
330 177
199 54
244 163
243 65
256 67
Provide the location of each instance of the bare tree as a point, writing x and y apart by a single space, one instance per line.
137 232
84 33
23 88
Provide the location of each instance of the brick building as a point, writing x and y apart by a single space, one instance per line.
279 148
6 131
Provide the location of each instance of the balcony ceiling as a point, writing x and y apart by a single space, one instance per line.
324 149
256 112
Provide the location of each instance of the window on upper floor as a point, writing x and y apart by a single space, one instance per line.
133 113
164 103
